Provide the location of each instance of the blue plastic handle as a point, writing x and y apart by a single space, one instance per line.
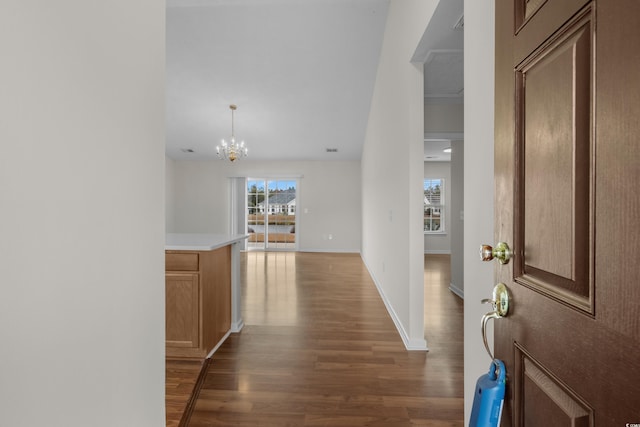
498 365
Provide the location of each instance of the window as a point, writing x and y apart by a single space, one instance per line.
271 219
434 206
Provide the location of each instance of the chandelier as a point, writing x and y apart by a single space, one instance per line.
231 150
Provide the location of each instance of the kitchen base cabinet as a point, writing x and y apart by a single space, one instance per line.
198 301
181 314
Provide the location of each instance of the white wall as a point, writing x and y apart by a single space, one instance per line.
169 195
443 118
82 208
328 191
457 217
392 194
478 182
440 243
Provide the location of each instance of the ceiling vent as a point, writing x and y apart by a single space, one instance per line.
187 150
332 150
459 25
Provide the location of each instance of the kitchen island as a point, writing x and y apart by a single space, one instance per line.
202 286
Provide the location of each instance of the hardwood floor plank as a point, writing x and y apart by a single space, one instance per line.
319 349
180 379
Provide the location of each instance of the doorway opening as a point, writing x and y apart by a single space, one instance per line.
271 214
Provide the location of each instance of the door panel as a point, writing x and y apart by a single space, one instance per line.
542 393
525 9
553 172
536 21
567 156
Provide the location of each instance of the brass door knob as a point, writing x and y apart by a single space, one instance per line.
501 252
500 305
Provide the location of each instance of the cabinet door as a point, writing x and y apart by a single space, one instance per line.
182 309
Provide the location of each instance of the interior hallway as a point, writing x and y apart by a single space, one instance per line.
319 348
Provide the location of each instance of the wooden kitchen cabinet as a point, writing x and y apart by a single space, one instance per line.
182 313
198 301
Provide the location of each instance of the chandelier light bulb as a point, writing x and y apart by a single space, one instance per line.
231 150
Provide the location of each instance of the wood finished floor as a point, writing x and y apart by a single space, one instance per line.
180 379
319 349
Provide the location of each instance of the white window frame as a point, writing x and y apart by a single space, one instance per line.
440 206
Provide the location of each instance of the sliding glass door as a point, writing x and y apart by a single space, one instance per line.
271 214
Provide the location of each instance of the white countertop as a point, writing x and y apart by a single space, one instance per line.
200 241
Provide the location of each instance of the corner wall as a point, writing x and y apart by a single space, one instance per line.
478 181
392 194
444 118
457 218
82 208
169 195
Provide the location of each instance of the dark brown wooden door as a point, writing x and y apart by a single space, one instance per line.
568 202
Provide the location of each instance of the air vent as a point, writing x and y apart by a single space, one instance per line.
332 150
187 150
459 25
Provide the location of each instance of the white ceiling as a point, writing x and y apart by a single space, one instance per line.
301 73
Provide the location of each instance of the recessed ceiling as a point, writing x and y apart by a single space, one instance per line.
444 74
441 49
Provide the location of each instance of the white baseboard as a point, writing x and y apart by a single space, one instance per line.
237 327
436 252
213 350
412 345
456 290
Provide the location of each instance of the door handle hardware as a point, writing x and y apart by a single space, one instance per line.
501 252
500 305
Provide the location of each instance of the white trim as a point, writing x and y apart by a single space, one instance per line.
266 179
213 350
236 289
456 290
437 252
441 206
271 177
237 326
412 345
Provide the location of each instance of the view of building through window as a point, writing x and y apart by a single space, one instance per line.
434 206
271 213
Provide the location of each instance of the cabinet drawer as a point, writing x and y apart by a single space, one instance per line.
181 262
